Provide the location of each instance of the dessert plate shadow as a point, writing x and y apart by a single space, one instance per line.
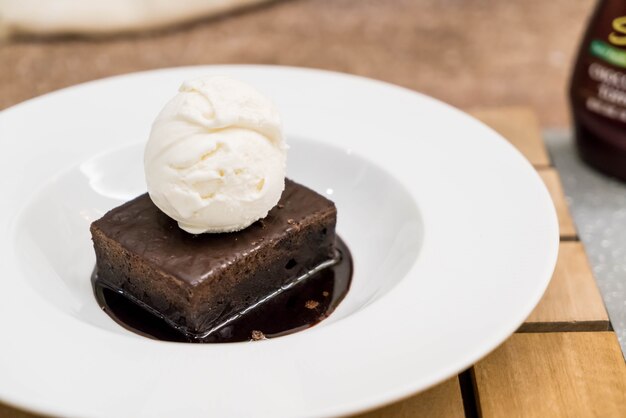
453 235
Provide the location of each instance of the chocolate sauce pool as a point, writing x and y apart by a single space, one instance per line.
299 307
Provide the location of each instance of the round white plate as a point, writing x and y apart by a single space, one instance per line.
453 234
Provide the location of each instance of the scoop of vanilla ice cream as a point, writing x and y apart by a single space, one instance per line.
215 160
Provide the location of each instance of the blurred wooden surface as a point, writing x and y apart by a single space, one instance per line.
565 374
468 53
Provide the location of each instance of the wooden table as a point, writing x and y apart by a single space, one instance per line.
563 361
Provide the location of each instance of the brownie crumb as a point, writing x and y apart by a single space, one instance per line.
311 304
325 294
291 221
258 335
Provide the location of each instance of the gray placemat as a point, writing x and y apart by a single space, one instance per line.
598 205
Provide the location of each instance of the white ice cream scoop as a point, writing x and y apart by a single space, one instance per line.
215 160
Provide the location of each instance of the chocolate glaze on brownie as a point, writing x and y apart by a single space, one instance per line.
196 282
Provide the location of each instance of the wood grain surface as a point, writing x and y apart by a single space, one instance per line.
468 53
565 374
572 301
552 181
442 401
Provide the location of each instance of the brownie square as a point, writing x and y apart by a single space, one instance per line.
196 282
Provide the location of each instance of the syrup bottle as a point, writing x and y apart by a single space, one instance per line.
598 90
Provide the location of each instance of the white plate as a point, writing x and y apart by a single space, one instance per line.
453 234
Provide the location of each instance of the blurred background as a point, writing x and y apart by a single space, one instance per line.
466 52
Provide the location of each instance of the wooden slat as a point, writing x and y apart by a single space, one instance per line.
442 401
567 374
521 127
572 301
553 183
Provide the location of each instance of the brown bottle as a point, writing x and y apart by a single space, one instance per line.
598 90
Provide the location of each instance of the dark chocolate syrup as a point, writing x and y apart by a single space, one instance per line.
297 308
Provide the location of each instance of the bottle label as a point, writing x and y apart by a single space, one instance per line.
608 53
604 90
609 98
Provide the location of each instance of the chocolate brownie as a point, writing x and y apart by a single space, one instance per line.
196 282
